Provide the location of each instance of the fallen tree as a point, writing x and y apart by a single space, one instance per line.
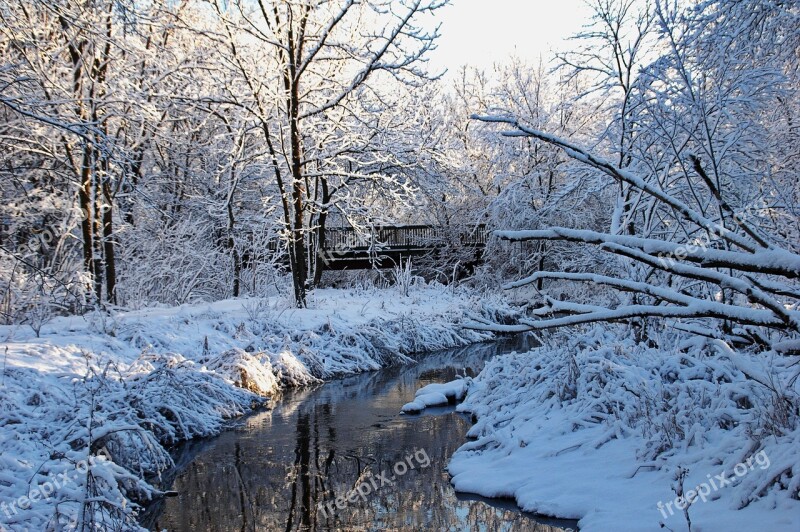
740 259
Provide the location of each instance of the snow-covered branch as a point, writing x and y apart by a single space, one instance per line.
769 302
582 155
772 262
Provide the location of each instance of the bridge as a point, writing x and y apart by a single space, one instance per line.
390 246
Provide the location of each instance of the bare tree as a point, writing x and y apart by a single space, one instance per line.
302 70
614 50
767 303
60 56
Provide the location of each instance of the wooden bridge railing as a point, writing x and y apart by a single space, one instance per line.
402 237
385 246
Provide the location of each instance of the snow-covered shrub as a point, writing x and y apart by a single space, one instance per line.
78 444
403 277
257 309
289 370
176 401
33 296
171 263
250 372
327 351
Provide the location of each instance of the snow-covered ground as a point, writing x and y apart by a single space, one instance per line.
611 432
87 409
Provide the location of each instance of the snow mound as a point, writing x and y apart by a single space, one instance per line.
438 394
290 371
252 373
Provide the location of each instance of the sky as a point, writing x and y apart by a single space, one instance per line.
482 32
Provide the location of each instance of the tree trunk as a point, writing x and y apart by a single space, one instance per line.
108 245
298 256
319 252
85 200
97 229
237 261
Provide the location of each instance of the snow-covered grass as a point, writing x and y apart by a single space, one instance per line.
128 385
611 432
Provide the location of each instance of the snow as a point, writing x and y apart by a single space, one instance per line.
775 261
421 402
788 346
128 384
437 394
245 371
579 154
597 428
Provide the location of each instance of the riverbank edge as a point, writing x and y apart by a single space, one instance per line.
241 357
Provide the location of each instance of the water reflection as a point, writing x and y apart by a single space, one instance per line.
279 468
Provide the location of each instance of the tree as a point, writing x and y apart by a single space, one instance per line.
304 74
112 158
470 179
58 86
616 44
711 243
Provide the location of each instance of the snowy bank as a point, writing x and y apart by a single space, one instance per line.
619 435
88 409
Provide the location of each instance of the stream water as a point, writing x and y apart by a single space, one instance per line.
284 468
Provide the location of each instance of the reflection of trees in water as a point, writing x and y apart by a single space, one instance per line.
276 473
301 474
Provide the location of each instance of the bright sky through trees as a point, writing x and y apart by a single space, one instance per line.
481 32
